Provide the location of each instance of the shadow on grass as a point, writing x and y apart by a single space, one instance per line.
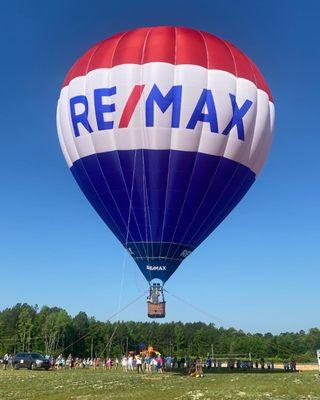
184 371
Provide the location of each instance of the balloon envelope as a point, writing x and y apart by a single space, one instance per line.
164 129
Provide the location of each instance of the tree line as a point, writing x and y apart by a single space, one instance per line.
52 330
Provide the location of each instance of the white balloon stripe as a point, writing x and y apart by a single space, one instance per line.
172 116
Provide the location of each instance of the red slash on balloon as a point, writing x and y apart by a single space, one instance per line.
131 105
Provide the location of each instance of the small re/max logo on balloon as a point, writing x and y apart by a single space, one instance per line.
156 267
204 110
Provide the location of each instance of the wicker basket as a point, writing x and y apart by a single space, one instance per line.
157 310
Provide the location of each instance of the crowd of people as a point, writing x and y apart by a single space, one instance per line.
145 362
151 361
290 366
250 365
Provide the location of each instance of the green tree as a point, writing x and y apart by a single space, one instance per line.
25 325
179 339
55 328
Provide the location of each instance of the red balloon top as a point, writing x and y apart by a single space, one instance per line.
174 45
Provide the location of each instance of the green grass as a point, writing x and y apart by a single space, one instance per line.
89 384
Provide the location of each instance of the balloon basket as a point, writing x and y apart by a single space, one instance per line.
155 301
157 310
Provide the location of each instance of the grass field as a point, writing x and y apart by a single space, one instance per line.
89 384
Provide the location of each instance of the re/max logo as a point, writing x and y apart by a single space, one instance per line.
79 109
156 267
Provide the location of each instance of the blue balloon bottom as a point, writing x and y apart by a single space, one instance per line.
161 204
158 260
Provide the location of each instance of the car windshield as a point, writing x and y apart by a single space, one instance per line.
37 355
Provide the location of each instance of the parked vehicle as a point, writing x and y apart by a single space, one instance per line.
30 361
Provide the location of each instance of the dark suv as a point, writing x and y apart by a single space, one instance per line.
30 361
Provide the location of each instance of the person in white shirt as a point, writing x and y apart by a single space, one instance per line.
139 364
130 363
154 364
124 364
5 361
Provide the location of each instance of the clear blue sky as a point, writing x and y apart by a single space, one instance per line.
260 270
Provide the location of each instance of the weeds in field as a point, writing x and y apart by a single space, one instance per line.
114 385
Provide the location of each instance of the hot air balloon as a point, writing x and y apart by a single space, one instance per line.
165 130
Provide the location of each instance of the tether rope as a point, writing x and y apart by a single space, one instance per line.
204 312
108 319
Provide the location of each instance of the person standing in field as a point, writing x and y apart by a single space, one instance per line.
153 364
168 362
10 361
174 362
139 364
124 364
69 362
59 361
51 361
148 364
5 361
160 364
108 363
130 363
